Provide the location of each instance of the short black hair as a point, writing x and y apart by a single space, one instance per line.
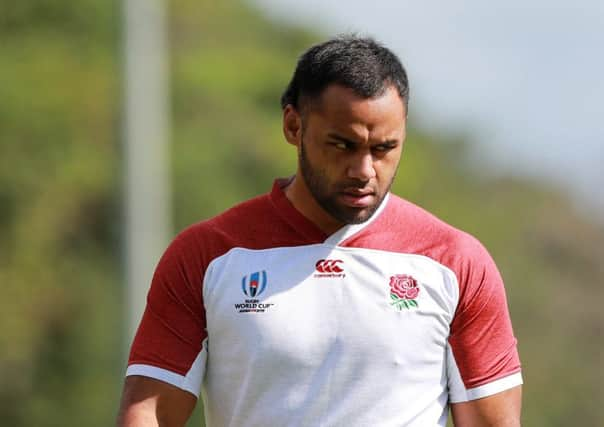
360 64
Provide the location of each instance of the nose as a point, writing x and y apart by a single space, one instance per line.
361 167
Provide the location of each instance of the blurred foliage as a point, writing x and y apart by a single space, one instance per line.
61 309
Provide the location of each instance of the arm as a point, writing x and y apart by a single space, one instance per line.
167 358
499 410
151 403
484 368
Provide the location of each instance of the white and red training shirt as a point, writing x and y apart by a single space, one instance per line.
380 324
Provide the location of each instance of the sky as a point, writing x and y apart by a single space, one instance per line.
524 80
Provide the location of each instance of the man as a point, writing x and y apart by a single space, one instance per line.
328 301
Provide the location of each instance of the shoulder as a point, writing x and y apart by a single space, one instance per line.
433 237
236 227
235 221
407 227
257 223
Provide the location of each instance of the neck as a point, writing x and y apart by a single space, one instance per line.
300 196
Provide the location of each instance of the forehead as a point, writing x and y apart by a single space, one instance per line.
340 108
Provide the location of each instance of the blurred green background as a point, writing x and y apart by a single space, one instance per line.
62 311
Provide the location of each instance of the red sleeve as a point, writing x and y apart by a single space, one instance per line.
481 337
173 326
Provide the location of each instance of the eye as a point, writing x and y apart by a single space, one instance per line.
383 148
342 146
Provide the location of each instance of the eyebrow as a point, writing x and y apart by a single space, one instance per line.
350 141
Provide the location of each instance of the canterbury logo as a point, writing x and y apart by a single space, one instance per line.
329 266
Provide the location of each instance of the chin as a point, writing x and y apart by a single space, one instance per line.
357 217
347 214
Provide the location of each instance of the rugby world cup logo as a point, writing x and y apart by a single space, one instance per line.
254 284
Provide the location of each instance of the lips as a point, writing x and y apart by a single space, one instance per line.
357 198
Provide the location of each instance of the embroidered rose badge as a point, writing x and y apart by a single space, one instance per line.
403 291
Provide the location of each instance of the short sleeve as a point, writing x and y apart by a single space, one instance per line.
482 357
170 344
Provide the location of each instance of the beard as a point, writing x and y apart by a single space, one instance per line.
326 192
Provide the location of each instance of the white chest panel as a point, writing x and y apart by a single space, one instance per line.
325 347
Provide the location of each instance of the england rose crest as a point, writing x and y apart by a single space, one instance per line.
403 291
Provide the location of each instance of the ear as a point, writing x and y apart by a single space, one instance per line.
292 125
